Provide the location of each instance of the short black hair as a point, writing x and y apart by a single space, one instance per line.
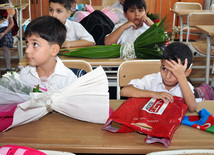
178 50
134 3
48 28
65 3
72 1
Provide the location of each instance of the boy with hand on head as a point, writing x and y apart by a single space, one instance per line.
170 81
77 35
44 37
138 22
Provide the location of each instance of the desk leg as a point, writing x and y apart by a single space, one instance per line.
208 59
20 46
181 28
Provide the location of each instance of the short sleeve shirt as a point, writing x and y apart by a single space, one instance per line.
153 82
61 77
75 31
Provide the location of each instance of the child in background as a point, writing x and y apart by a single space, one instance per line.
117 8
77 35
6 38
170 81
138 22
44 37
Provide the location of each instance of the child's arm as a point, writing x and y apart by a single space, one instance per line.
10 26
131 91
77 43
114 36
180 73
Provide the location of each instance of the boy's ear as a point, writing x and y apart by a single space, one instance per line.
55 49
188 71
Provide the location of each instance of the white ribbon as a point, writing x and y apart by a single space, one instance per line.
127 51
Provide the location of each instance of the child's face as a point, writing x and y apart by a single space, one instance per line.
38 51
59 11
169 80
135 15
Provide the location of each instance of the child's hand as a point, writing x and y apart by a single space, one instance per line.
147 21
2 35
166 97
178 69
129 24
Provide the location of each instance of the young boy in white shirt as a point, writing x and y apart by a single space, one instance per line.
138 22
170 81
77 35
44 37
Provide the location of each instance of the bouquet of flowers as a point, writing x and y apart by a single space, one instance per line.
85 99
13 90
148 45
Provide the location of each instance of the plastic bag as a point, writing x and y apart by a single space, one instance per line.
12 90
19 150
149 116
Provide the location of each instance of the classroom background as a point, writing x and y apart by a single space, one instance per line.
27 10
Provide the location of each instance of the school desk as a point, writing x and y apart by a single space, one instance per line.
58 132
208 31
185 13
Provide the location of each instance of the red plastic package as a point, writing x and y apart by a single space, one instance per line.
149 116
19 150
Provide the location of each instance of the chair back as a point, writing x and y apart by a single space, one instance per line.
184 6
78 64
212 7
187 6
53 152
135 69
199 18
187 151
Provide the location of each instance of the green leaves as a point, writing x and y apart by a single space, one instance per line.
36 90
97 52
148 45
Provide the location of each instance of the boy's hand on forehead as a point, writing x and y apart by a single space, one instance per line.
177 68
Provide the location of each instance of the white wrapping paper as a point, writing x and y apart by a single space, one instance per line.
85 99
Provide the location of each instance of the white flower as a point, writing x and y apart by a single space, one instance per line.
14 74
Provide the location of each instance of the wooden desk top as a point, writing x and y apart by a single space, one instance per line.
93 62
187 12
58 132
207 29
